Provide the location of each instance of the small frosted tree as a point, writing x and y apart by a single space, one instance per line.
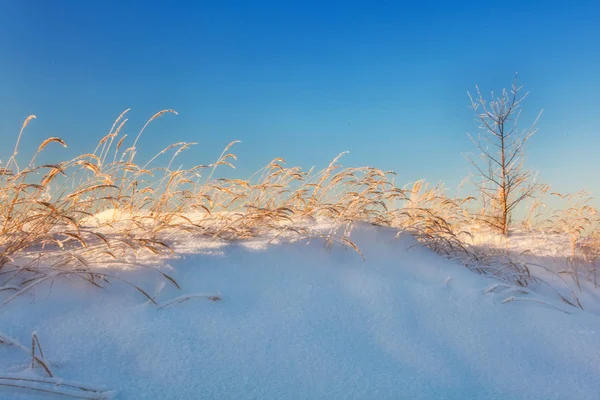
501 178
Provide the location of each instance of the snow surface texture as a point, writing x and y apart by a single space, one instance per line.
296 321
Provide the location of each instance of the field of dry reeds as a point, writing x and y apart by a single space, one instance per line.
103 207
72 219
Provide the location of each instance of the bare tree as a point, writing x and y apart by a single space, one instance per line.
503 182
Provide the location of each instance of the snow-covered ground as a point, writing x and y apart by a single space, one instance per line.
301 321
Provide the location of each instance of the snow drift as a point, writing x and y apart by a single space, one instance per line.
301 321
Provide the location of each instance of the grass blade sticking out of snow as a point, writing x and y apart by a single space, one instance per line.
55 387
186 297
51 385
514 298
34 359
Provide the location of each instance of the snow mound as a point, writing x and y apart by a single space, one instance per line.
302 321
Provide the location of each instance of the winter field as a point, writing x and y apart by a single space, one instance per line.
140 280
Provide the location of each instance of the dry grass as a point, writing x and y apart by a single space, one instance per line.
435 219
49 385
50 226
104 207
579 221
48 213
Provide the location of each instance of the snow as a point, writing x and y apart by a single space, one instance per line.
302 321
547 256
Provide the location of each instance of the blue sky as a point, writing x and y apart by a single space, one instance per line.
306 80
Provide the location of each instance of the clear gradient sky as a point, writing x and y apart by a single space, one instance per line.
305 80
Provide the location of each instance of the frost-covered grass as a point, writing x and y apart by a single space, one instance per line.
101 207
162 282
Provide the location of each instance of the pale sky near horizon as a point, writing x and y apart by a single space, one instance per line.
305 81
